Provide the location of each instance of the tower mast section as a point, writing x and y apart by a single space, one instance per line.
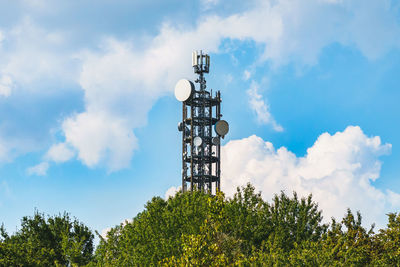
201 113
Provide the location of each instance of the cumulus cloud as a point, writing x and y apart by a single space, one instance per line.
121 84
297 31
31 54
301 30
260 108
122 80
59 153
39 170
338 170
172 191
34 61
100 138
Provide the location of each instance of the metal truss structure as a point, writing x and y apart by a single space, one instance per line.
201 113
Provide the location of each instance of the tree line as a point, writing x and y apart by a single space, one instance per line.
197 229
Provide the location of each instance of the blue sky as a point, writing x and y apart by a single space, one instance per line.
88 117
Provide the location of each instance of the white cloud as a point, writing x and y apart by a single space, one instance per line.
59 153
306 28
33 60
260 108
39 170
32 54
337 170
5 85
105 231
394 199
296 31
172 191
121 84
11 147
100 138
246 75
122 81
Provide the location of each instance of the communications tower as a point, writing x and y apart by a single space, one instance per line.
202 129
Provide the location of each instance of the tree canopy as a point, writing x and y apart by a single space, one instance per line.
197 229
47 241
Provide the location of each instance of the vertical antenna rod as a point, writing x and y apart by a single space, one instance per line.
201 112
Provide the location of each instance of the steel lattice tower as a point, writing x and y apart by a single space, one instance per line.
201 113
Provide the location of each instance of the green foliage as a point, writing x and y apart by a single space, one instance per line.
200 229
352 247
295 221
51 241
156 233
197 229
387 243
247 218
211 247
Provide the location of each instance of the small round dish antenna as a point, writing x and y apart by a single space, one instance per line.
197 141
184 90
180 126
215 141
221 128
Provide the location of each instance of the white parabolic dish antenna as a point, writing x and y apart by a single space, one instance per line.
184 90
222 127
197 141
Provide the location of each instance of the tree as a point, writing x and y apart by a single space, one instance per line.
50 241
347 243
195 227
387 243
156 233
211 246
295 221
247 218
